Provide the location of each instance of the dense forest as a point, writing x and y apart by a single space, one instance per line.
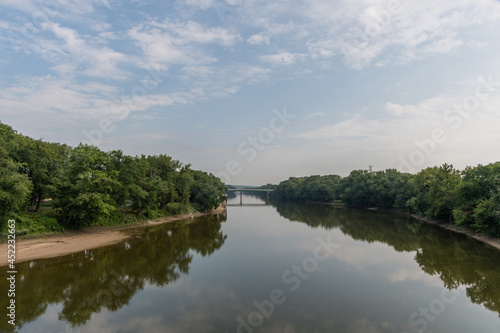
468 198
51 186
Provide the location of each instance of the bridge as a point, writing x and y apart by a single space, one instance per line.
241 190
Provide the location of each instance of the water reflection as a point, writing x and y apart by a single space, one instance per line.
107 278
456 259
192 278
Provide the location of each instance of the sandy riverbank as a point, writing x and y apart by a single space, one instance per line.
492 241
59 245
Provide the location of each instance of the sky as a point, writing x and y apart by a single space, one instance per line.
258 91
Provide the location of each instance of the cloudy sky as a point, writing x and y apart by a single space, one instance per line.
256 91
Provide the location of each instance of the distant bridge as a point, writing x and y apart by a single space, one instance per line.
241 190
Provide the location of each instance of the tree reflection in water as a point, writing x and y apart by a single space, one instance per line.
108 277
457 259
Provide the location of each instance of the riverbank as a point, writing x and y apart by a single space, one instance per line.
492 241
86 239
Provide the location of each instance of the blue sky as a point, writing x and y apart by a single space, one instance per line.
258 91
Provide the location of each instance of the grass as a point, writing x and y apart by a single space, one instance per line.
28 224
45 222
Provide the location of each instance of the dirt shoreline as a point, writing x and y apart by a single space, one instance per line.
60 245
492 241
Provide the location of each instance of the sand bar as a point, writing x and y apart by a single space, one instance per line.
64 244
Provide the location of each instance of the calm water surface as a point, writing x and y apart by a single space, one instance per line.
285 267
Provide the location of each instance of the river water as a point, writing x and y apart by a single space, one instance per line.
283 267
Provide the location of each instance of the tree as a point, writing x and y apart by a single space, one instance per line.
477 191
434 192
14 187
357 188
85 192
44 163
207 190
183 182
167 169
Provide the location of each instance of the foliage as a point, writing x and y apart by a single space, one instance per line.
44 163
470 198
14 187
268 186
85 192
313 188
34 223
477 199
207 190
435 189
91 187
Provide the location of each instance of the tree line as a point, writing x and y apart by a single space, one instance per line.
469 197
88 186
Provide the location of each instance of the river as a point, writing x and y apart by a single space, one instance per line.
283 267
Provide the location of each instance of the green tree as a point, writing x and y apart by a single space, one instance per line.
477 190
434 192
289 189
207 190
357 188
390 189
85 193
486 216
167 169
44 162
183 183
15 187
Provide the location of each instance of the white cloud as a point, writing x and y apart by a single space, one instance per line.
220 81
194 32
23 5
73 53
363 32
250 74
259 39
203 4
314 115
282 58
169 43
49 96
